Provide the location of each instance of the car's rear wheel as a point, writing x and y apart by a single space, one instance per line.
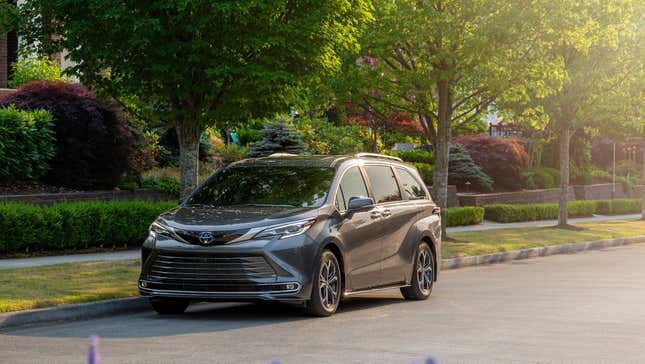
422 275
326 292
169 306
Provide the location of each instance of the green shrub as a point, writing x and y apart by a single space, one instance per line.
618 206
32 69
233 153
324 137
468 215
415 156
541 178
425 171
76 225
26 143
535 212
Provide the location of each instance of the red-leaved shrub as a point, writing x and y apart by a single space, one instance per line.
93 144
503 159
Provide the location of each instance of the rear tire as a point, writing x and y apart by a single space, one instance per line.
326 291
422 275
169 306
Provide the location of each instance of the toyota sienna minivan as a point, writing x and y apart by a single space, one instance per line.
303 229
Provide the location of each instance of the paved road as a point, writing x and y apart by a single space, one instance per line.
582 308
133 254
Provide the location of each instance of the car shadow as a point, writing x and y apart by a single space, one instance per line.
199 318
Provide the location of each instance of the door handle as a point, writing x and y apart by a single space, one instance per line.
436 210
386 213
375 214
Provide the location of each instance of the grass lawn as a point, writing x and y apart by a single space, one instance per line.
26 288
492 241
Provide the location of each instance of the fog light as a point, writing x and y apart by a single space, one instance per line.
142 284
290 286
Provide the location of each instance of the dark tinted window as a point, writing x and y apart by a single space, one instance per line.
352 185
411 186
383 183
263 185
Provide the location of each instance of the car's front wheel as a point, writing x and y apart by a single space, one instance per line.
169 306
326 292
422 275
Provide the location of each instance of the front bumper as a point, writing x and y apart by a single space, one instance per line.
246 271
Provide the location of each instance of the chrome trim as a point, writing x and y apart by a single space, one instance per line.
165 292
349 293
376 155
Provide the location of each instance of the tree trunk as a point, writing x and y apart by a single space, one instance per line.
565 139
188 135
643 182
441 151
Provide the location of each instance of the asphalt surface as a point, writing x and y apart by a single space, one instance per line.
581 308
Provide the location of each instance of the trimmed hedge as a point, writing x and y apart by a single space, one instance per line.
619 206
76 225
534 212
468 215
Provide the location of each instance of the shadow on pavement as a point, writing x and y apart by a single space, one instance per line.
200 318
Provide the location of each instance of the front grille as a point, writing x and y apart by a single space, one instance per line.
218 237
208 272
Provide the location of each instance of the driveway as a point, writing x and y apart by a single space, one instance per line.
587 307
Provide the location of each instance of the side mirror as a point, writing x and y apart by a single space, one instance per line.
359 203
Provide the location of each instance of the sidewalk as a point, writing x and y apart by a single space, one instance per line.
74 258
489 225
134 254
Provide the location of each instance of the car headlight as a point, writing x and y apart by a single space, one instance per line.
158 229
286 230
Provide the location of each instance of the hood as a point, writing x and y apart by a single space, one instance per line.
232 218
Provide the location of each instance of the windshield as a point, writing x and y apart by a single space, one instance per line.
280 186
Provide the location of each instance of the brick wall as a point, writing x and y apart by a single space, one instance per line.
599 192
122 195
519 197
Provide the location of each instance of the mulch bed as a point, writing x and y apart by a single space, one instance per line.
29 188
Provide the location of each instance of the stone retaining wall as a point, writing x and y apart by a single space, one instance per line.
600 191
121 195
519 197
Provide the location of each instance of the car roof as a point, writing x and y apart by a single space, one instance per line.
284 159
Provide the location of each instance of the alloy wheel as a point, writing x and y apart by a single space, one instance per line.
329 284
424 271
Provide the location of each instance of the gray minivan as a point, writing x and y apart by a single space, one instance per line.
303 229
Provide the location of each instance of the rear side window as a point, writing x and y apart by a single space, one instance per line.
352 185
411 186
383 183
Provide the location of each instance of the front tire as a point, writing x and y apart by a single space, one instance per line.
326 292
422 275
169 306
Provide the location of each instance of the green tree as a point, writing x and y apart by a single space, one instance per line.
197 63
599 45
35 68
278 136
446 61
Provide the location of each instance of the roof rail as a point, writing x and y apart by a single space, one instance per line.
375 155
278 155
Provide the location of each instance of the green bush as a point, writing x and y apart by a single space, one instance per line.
76 225
169 185
540 178
618 206
468 215
233 153
533 212
32 69
324 137
26 143
415 156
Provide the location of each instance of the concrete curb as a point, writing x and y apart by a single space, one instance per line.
71 312
570 248
137 304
